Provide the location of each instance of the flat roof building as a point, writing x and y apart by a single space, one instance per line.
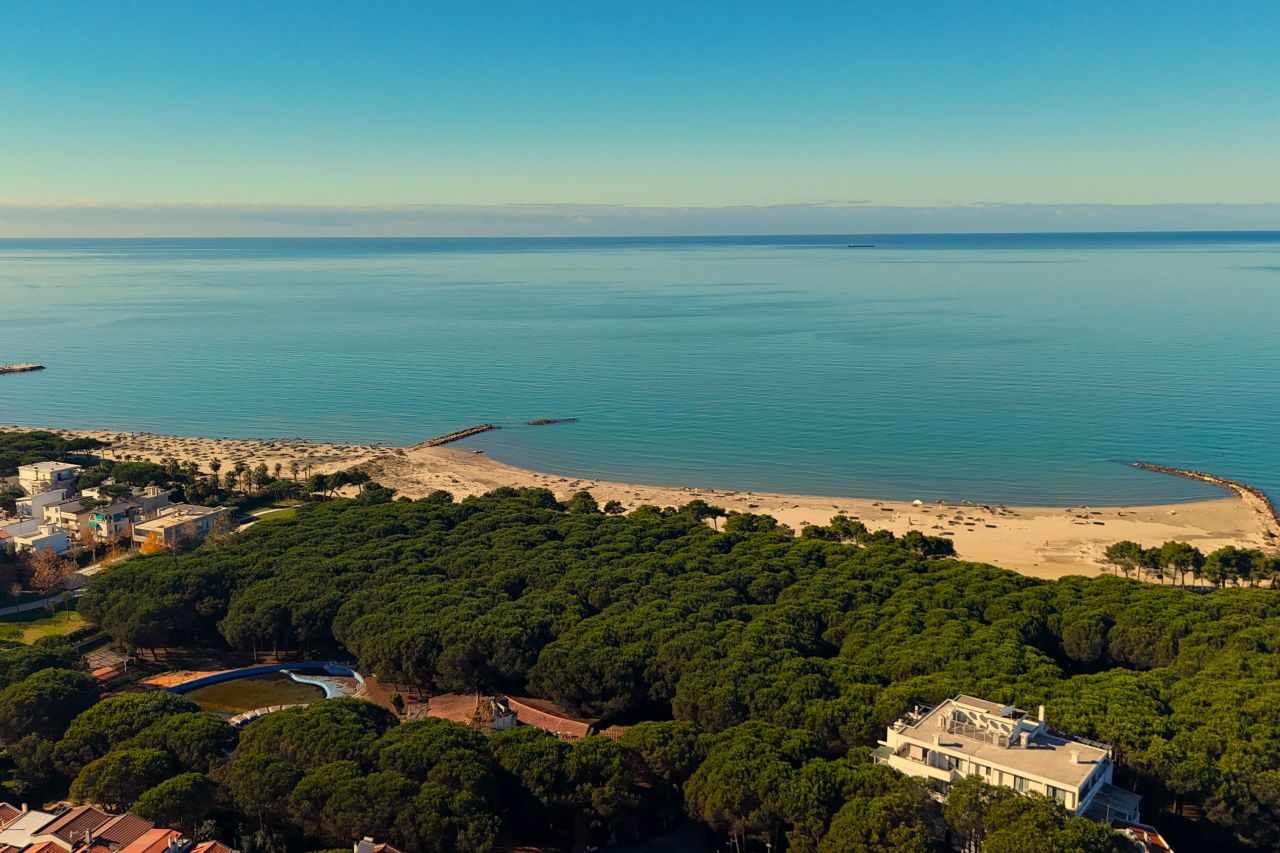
179 525
33 506
42 476
1002 745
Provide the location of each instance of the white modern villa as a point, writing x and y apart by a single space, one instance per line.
1002 745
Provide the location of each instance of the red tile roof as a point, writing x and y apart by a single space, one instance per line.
122 830
547 720
457 707
8 812
70 826
45 847
213 847
152 841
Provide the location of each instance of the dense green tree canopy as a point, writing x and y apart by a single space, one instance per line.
44 703
798 649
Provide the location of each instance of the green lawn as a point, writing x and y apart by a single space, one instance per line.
283 512
34 624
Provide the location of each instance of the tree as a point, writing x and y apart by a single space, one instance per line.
1035 822
1150 563
153 544
891 822
738 788
87 541
242 476
367 804
44 703
197 740
118 778
1126 556
1084 637
434 750
965 812
33 766
669 749
1228 564
112 721
848 530
440 820
50 572
583 503
221 531
181 801
1181 558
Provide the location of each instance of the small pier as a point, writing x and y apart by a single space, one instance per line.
459 435
20 368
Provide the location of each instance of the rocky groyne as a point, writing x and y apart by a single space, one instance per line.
1251 495
20 368
458 435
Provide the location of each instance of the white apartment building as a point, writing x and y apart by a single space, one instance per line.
1002 745
112 522
33 506
42 476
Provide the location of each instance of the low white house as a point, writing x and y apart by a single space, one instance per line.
18 832
33 506
1003 745
45 537
43 476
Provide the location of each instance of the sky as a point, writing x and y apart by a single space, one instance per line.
640 117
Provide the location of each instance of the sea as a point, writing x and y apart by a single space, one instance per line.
1023 369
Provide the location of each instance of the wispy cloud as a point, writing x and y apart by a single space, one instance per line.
108 219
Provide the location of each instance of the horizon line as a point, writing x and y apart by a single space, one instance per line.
652 236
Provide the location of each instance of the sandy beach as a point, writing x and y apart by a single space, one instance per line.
1046 542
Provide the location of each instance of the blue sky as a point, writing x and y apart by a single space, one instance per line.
322 106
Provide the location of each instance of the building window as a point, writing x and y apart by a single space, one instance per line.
1021 785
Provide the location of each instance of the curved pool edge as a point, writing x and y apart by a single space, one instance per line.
325 667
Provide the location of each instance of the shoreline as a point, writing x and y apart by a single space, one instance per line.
1040 541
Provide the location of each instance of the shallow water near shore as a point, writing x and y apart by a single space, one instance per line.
1017 369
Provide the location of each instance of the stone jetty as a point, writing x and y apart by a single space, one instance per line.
1251 495
459 435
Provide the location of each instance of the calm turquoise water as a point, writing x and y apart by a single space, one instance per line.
1011 368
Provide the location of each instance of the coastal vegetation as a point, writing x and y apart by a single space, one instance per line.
1228 565
26 447
754 667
